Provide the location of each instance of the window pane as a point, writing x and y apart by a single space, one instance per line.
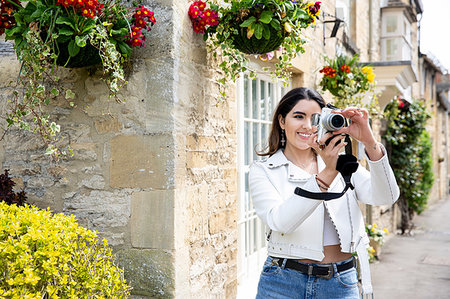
255 140
264 136
391 24
246 143
254 101
246 96
263 99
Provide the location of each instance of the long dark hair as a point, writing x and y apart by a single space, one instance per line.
286 104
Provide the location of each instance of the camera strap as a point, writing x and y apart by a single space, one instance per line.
346 164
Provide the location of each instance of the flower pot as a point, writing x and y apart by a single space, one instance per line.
376 246
257 46
88 56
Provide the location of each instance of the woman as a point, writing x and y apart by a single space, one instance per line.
311 241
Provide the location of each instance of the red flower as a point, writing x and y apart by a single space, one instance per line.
194 12
152 19
401 104
135 42
86 12
140 22
200 4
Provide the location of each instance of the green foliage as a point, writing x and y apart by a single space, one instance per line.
410 155
45 255
349 83
261 21
69 33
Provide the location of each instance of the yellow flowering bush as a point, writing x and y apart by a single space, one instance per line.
46 255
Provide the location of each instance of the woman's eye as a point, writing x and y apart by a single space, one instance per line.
299 116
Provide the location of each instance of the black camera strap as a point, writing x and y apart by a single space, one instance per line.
346 164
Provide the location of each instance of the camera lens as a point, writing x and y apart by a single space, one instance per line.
337 121
333 122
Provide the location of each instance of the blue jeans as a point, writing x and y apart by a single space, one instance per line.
277 282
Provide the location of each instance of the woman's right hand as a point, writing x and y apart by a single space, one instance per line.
329 153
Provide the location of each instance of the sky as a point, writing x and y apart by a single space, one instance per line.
435 30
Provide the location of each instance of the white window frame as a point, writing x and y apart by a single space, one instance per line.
249 267
401 37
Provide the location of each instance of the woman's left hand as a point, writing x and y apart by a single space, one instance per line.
359 127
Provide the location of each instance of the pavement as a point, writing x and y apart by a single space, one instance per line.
417 266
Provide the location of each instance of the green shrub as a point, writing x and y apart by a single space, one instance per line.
46 255
409 146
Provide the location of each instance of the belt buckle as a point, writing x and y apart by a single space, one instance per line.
330 272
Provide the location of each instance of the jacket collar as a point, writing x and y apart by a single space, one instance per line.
295 173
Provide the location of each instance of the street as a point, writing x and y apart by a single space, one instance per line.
417 266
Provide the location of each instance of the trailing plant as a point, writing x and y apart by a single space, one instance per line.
45 255
349 82
409 147
7 193
235 28
69 33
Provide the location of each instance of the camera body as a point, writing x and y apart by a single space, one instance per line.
328 121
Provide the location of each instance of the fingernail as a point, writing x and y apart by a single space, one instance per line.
345 143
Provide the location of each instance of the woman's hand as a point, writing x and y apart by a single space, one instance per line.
329 154
360 130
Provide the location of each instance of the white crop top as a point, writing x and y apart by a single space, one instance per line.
330 235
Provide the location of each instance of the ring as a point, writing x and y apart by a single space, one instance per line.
322 146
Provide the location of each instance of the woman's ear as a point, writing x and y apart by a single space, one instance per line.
281 121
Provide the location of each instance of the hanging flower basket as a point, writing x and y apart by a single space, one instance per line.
254 45
68 33
238 27
88 56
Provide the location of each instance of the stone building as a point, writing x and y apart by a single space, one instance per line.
434 90
163 176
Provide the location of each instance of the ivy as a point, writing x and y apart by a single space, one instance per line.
409 147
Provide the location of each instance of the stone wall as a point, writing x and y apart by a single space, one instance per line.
155 175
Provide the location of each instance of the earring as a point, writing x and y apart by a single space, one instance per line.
283 141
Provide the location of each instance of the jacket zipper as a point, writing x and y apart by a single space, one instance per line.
352 243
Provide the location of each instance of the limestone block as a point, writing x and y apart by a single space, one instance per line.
94 182
141 161
100 210
223 220
9 70
39 182
152 219
23 169
84 151
196 159
108 124
150 272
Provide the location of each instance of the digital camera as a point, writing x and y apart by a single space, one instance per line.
328 121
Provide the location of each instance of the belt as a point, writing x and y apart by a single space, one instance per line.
325 271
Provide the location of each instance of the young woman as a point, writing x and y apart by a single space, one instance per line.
310 242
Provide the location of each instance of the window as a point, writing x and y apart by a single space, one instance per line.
396 36
257 100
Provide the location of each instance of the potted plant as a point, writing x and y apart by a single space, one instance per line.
69 33
349 82
376 237
254 27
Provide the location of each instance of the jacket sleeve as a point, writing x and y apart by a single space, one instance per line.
282 215
377 187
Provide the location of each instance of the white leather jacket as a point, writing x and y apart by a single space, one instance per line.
296 222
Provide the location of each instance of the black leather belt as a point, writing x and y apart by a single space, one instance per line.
323 271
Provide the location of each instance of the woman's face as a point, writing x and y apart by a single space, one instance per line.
297 124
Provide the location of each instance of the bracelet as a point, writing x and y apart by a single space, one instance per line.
325 184
322 187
